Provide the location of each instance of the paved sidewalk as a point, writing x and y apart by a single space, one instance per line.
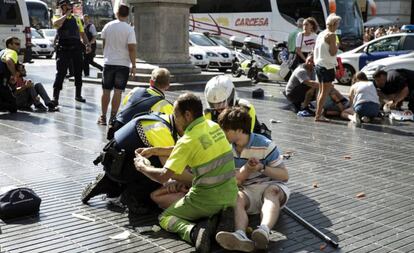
330 164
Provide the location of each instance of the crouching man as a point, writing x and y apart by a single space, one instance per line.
262 178
203 148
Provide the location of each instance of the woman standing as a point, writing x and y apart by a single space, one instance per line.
305 41
326 48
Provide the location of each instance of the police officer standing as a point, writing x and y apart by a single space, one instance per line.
69 48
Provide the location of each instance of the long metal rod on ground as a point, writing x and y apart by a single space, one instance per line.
310 227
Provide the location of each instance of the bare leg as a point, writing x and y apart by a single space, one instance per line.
106 96
273 197
348 114
241 219
308 97
116 101
324 89
164 199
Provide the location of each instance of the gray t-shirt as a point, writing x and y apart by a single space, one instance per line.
299 75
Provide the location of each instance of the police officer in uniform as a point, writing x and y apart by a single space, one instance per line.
69 48
120 177
141 100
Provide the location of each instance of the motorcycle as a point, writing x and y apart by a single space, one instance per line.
257 68
280 52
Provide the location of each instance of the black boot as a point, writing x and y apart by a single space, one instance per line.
101 185
226 220
78 96
202 233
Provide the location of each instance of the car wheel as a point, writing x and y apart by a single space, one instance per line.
349 72
278 57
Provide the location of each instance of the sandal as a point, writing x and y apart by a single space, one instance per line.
102 120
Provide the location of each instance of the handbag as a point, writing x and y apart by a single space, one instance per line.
18 202
294 62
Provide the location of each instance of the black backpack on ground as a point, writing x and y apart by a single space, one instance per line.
19 202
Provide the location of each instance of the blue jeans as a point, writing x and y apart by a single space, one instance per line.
368 109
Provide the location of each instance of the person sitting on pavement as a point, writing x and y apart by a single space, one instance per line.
121 182
203 148
261 175
28 93
364 100
8 61
140 100
302 85
220 94
394 86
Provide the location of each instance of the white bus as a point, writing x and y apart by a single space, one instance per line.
274 19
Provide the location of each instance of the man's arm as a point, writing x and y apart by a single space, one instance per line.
160 175
132 56
11 66
57 23
311 83
278 173
330 38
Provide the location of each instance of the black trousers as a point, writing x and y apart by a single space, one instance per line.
88 60
7 99
64 57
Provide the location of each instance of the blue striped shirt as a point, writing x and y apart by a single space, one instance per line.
263 149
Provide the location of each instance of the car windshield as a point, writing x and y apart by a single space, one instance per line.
221 41
201 40
36 35
49 33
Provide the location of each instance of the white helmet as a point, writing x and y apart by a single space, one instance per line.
219 92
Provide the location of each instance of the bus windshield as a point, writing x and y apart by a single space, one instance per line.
351 24
38 15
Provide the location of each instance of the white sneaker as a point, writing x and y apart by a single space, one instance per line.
234 241
260 238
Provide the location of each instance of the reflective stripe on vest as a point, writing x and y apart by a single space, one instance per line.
153 126
213 164
171 223
214 179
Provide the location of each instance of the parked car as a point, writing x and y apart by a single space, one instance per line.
220 57
405 61
14 21
41 46
390 45
198 57
48 34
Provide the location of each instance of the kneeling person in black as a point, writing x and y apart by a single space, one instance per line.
148 130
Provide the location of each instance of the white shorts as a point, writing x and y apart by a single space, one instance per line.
254 193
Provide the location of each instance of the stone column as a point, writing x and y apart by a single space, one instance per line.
161 27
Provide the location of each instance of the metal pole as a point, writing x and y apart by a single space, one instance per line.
310 227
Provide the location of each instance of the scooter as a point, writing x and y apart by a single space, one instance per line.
280 52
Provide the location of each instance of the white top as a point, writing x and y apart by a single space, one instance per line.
321 54
117 35
365 91
308 42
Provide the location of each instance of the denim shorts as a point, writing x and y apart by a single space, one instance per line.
325 75
115 77
368 109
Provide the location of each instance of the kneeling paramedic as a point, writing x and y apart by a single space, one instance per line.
203 148
147 130
220 94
